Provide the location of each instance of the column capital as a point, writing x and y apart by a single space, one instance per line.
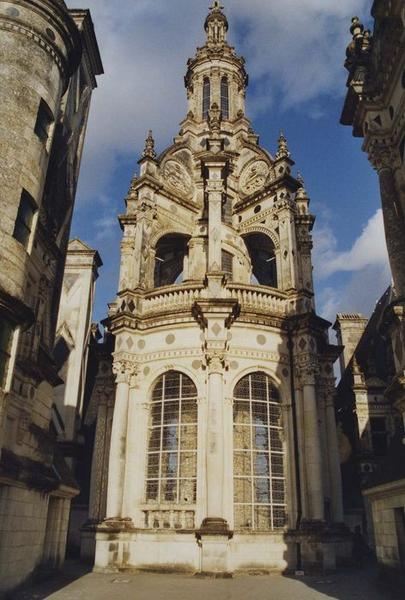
383 156
215 362
125 371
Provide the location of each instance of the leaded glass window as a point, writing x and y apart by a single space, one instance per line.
206 97
225 98
259 483
171 475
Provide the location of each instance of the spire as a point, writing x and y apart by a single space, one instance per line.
282 151
149 151
216 25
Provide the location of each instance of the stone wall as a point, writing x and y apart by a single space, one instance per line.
389 541
22 536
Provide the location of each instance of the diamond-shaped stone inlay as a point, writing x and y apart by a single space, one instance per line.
302 343
130 343
131 306
216 329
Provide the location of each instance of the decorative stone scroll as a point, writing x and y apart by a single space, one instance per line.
177 177
254 177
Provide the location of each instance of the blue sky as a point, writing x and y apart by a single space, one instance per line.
294 51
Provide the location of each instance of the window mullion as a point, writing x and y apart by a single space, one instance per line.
161 437
251 454
179 440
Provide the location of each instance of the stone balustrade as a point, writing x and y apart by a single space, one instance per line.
171 298
169 518
258 298
180 298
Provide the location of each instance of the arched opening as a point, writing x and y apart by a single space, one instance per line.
225 98
259 482
206 97
171 475
171 253
262 258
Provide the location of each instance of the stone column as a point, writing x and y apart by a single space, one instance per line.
98 462
333 459
214 189
214 532
134 489
313 454
385 160
116 466
215 441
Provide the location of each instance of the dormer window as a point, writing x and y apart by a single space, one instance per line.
225 98
206 97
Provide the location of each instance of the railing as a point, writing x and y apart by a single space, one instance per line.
258 298
171 298
181 298
179 518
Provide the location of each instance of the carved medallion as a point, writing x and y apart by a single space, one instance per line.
254 177
177 177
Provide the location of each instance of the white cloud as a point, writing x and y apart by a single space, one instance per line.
145 46
369 249
365 265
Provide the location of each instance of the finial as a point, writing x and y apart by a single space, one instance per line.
216 6
300 180
356 28
282 151
149 151
216 25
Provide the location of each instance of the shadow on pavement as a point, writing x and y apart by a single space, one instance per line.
45 586
354 583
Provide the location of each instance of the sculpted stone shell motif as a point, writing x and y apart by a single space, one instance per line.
177 177
254 177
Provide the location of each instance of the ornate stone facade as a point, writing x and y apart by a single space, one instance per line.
49 62
374 108
223 448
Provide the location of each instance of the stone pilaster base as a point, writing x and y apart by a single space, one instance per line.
322 547
112 541
213 537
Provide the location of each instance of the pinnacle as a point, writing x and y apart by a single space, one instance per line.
282 151
149 150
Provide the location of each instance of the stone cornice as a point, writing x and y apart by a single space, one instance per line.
57 16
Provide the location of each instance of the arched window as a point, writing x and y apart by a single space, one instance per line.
262 258
206 97
225 98
171 474
171 251
259 485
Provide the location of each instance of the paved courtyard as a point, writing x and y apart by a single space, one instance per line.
75 584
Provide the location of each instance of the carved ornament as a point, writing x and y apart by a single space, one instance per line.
177 177
125 371
254 176
215 362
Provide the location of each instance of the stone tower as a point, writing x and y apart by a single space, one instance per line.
223 452
49 61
